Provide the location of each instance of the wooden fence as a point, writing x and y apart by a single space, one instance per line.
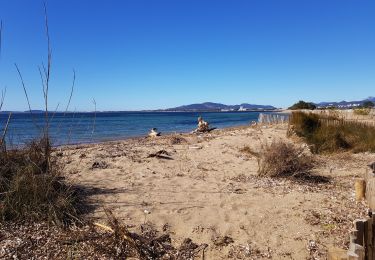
328 121
273 118
362 236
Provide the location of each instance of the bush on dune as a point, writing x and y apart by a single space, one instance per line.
327 135
303 105
280 159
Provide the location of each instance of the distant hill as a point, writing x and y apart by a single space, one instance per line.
345 104
210 106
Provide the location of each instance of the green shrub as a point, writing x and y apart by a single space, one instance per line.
303 105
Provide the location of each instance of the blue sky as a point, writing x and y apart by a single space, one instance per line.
139 54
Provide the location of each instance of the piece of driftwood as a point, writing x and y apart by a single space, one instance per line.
161 154
109 229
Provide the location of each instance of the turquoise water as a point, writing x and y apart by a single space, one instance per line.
74 128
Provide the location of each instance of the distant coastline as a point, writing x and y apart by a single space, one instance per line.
144 111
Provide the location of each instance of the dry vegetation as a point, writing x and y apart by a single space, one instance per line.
327 134
41 241
281 159
32 187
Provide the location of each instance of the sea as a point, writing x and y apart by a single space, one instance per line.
76 128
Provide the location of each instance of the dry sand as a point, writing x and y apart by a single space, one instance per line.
206 189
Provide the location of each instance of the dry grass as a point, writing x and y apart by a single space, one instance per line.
32 187
280 159
98 241
328 135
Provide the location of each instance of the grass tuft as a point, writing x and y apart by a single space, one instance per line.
33 188
280 159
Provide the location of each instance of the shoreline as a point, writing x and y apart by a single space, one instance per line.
147 138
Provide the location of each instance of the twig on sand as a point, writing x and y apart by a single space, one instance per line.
161 154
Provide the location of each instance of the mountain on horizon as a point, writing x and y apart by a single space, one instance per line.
345 104
211 106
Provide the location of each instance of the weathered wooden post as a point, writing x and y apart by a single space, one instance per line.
360 189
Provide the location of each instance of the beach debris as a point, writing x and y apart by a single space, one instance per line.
250 250
222 240
190 250
94 241
154 133
203 126
177 140
99 165
195 147
146 212
312 247
161 154
149 244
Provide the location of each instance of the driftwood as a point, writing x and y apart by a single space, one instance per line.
203 126
161 154
109 229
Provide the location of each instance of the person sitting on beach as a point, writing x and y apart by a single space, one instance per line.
154 132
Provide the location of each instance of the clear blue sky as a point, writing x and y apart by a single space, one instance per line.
136 54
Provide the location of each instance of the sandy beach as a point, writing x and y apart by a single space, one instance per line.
204 187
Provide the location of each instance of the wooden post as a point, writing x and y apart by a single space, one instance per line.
359 225
370 191
360 189
368 239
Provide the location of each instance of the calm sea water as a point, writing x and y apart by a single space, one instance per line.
88 127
